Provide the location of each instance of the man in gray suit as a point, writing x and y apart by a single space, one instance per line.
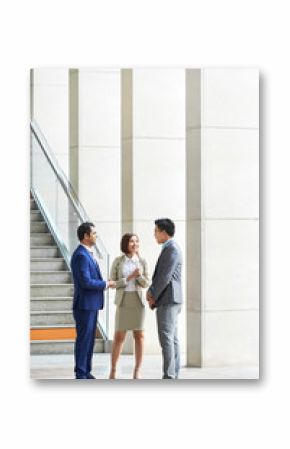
165 295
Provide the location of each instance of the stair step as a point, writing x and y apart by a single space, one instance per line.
51 298
43 251
59 346
48 264
35 215
51 290
50 277
56 332
38 226
41 238
33 205
51 318
51 304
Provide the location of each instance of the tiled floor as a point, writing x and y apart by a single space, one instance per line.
61 367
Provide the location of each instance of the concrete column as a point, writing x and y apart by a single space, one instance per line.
193 218
73 134
222 133
230 206
127 149
127 166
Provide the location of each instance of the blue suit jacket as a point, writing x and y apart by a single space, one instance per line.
88 282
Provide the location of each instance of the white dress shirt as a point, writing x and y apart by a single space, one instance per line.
130 265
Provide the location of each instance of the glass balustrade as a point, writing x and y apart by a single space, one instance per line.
62 209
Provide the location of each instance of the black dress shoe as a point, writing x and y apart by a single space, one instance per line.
81 377
90 376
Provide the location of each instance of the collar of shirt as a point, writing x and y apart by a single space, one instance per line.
133 259
166 243
89 249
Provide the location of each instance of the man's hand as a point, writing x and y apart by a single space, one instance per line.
148 296
151 300
111 284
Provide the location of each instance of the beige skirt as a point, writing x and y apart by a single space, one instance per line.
130 315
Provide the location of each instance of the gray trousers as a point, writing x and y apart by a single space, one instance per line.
167 317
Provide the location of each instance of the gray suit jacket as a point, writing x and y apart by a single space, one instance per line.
117 275
166 280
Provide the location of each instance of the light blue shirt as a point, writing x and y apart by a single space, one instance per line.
166 244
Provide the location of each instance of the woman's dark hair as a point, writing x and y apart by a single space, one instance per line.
125 242
167 225
84 228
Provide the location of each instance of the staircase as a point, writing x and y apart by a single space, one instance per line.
52 328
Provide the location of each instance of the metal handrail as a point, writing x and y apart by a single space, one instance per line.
66 185
74 202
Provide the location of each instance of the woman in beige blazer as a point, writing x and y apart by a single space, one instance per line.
130 273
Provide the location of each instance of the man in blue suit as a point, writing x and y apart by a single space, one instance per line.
88 299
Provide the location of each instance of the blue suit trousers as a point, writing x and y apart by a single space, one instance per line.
86 322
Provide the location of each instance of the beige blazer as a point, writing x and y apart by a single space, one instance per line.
117 275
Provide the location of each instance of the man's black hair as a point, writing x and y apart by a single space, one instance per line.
84 228
167 225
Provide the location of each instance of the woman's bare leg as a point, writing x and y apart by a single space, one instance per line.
139 350
119 338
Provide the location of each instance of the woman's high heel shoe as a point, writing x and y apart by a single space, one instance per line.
136 374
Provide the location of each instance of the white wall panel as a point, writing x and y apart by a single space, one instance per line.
231 338
99 107
231 264
230 97
50 105
159 102
99 187
50 76
231 173
159 179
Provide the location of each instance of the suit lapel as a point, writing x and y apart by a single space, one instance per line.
160 256
120 271
93 262
157 263
96 265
